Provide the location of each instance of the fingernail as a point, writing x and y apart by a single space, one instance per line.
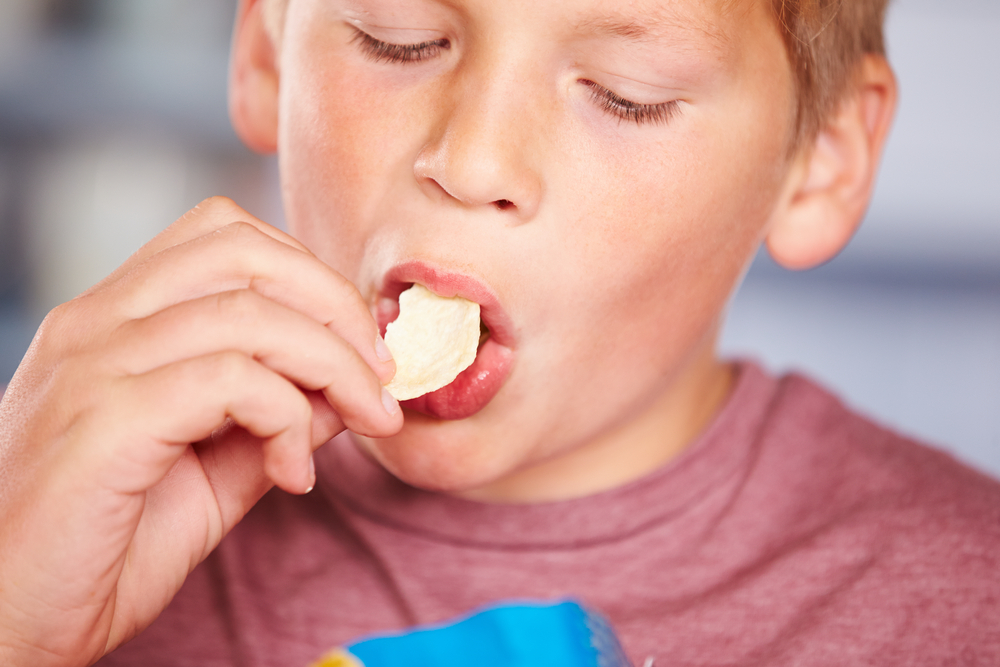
388 402
312 474
382 350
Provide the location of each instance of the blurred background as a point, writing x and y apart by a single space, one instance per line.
113 123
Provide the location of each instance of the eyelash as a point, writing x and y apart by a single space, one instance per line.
380 51
610 102
632 112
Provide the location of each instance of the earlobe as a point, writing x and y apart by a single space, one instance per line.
253 80
830 185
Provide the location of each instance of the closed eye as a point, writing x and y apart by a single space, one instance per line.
380 51
629 111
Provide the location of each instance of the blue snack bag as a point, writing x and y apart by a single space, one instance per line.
521 634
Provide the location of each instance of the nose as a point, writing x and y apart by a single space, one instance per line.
484 149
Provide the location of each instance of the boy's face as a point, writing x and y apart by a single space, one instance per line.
604 169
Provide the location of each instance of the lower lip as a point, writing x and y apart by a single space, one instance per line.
472 389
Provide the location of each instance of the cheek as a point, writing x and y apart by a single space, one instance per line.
350 145
669 227
695 197
657 235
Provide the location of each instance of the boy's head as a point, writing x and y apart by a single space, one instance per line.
596 175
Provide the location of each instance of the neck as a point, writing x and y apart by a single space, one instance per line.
632 450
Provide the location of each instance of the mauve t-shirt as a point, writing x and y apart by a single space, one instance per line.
792 532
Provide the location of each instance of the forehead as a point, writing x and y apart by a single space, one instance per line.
718 30
683 35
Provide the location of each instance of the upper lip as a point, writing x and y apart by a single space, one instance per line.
445 282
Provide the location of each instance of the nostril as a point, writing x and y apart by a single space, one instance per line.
503 204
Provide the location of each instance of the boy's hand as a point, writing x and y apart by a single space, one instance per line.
153 411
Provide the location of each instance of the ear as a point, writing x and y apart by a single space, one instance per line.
253 80
831 181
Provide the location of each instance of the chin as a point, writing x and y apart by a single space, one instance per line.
444 456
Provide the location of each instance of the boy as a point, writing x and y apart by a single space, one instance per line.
597 177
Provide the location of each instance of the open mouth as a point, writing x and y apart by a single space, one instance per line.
476 386
484 333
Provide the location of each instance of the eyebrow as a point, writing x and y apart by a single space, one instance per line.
650 27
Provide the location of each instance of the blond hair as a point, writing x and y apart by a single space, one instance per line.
826 42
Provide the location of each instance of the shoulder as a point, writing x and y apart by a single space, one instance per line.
936 521
878 466
916 531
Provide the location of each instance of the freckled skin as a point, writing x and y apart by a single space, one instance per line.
622 243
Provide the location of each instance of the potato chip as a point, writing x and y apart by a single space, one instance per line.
433 340
338 658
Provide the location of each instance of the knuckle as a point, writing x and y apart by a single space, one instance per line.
214 213
350 295
239 232
60 314
354 296
217 205
61 330
238 305
228 366
357 413
212 207
303 409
